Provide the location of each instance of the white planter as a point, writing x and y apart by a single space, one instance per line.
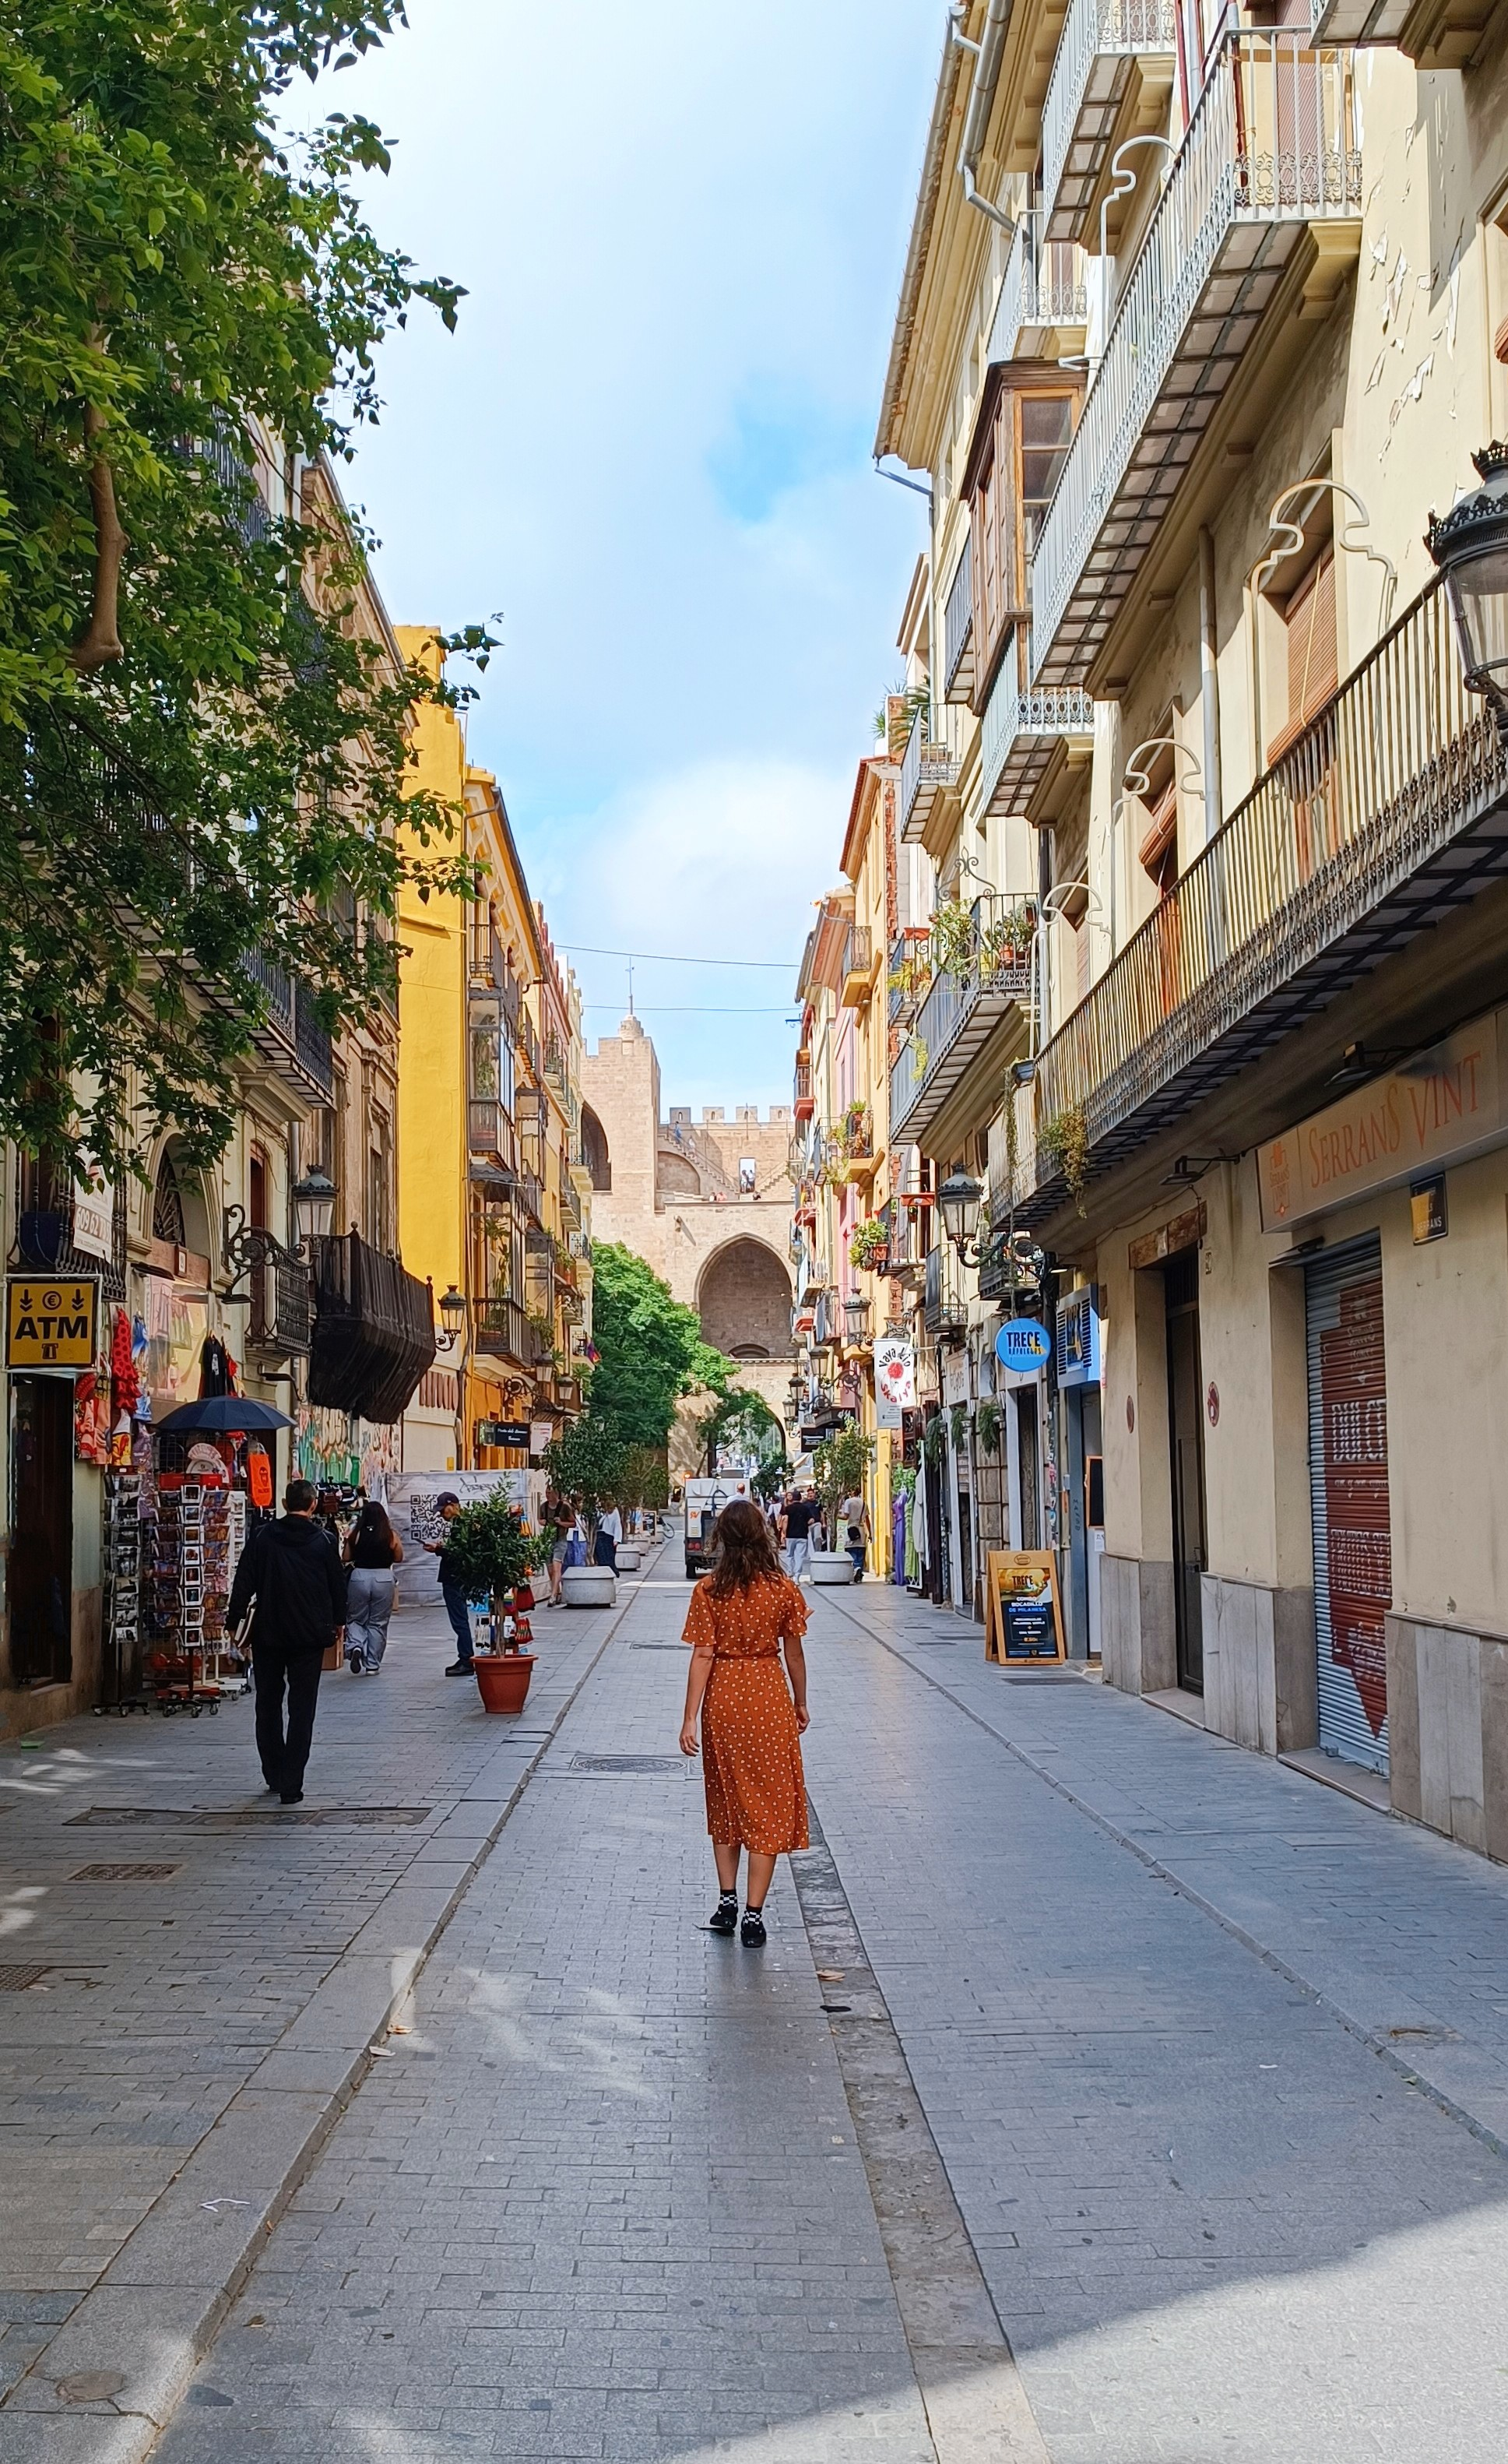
589 1587
628 1559
830 1566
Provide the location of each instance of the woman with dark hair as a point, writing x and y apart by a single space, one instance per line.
373 1552
740 1616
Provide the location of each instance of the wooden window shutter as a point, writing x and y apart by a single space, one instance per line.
1313 666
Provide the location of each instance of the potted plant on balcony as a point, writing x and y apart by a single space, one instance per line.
839 1468
870 1248
489 1554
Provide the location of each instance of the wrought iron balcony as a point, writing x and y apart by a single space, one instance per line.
804 1102
958 664
945 1313
929 770
858 965
489 1131
985 994
289 1030
1100 42
1272 151
282 1306
373 1337
1383 814
1046 285
501 1331
1021 728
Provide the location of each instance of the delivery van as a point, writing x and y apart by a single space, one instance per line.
704 1500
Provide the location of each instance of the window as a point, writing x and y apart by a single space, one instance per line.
1022 435
380 1183
1312 665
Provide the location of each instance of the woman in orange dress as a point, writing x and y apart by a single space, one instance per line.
740 1615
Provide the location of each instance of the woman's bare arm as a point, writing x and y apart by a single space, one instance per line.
796 1664
696 1676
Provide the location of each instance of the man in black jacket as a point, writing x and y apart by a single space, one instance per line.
294 1572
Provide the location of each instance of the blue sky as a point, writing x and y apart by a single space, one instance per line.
681 227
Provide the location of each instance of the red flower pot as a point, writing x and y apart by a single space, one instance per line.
502 1679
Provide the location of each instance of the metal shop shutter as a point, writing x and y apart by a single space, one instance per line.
1348 1493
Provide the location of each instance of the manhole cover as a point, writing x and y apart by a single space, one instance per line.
124 1873
177 1817
16 1980
681 1647
649 1764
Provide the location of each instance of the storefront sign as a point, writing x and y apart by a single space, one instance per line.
955 1378
1023 1345
94 1217
51 1324
1427 1209
1450 1103
1022 1618
894 1371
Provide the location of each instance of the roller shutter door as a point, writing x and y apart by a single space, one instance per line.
1348 1492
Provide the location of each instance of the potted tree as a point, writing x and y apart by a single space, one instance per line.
488 1551
586 1462
631 1484
838 1466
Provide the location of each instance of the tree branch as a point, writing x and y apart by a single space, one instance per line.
101 643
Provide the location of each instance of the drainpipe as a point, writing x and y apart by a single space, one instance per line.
1210 686
989 51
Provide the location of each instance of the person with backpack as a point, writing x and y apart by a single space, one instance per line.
292 1584
373 1552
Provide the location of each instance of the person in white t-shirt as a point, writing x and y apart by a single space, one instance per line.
853 1521
610 1532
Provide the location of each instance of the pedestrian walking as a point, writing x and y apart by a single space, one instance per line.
291 1575
751 1720
610 1532
563 1523
457 1606
853 1516
373 1552
795 1530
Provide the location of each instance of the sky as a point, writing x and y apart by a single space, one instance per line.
681 224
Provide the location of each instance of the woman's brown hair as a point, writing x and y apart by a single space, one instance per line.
746 1552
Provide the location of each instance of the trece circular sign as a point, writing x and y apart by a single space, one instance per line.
1024 1344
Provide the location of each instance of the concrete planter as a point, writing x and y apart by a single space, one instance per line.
830 1566
589 1587
628 1559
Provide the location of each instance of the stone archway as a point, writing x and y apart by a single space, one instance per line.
743 1298
594 1153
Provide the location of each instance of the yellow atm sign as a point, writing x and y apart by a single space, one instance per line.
51 1322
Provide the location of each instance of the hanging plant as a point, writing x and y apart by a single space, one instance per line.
870 1246
1065 1138
987 1426
934 1437
957 1426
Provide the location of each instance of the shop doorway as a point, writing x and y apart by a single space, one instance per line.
1186 1442
1348 1498
42 1531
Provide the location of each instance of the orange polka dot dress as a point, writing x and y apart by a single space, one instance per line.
750 1747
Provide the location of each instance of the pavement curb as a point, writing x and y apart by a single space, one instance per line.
154 2312
1414 2067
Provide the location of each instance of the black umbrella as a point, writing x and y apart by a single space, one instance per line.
225 1413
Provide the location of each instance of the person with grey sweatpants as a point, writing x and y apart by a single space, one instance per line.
372 1553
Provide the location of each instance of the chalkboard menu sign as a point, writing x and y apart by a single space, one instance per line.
1023 1621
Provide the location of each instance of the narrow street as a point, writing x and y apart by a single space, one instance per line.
1218 2088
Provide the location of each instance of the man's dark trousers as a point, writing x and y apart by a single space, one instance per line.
284 1757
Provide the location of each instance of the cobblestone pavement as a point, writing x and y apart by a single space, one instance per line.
1216 2059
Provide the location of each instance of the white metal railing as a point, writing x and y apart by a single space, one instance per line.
1046 282
1274 139
958 614
1013 711
1094 29
930 760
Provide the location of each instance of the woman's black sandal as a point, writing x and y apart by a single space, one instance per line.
752 1933
725 1916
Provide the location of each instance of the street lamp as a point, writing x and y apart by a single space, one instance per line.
452 1318
313 1206
958 1202
856 1311
1470 545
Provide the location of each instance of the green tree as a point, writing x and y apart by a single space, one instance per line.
201 754
488 1552
838 1468
650 1345
743 1422
586 1461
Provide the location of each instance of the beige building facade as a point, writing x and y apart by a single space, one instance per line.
1203 317
705 1202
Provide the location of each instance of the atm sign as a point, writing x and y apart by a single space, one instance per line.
50 1322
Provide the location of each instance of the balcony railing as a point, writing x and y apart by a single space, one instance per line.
805 1102
489 1131
1274 145
988 986
958 628
1365 819
858 965
944 1311
373 1336
1100 41
500 1329
929 770
1045 283
1020 727
282 1305
292 1025
906 975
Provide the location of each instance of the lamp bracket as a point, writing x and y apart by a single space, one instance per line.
250 1246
